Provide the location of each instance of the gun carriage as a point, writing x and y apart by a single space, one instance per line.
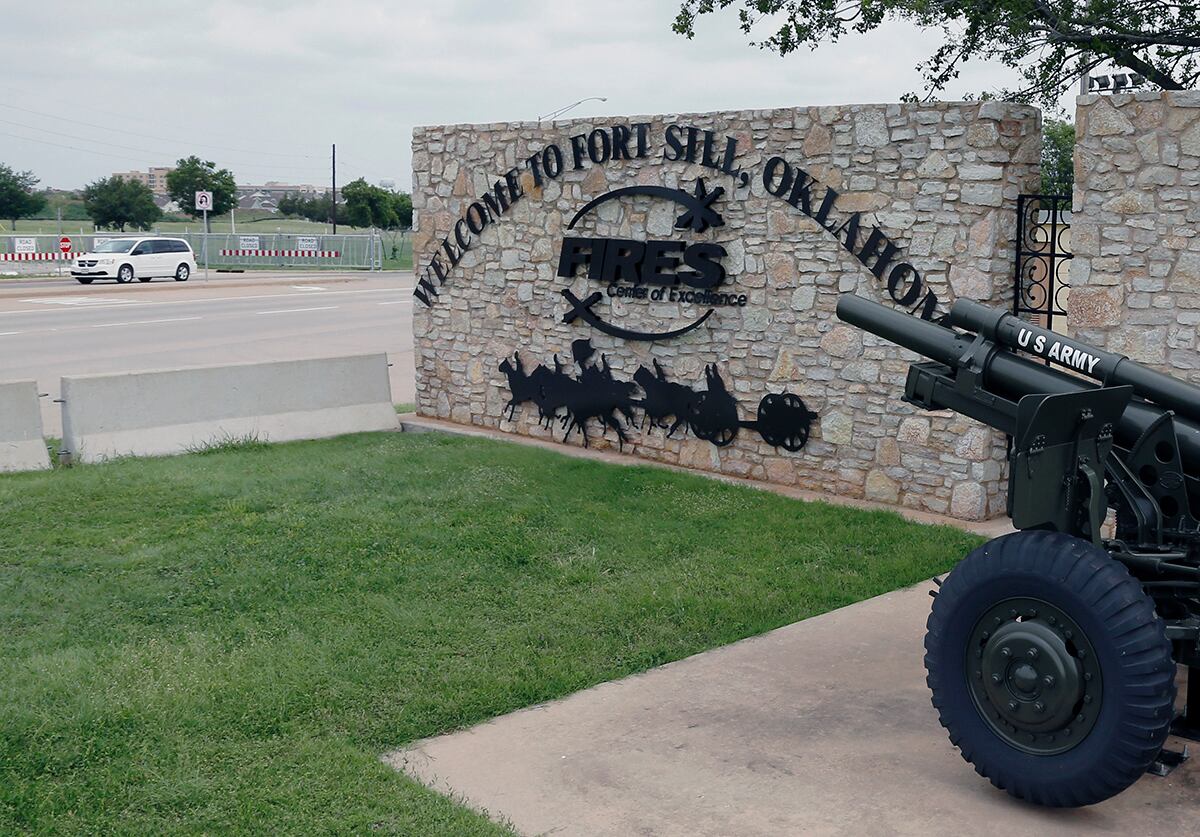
1052 652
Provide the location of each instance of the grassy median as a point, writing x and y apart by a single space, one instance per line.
227 642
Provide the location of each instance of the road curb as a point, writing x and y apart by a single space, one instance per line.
71 287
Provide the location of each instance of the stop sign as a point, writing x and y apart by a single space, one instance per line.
64 244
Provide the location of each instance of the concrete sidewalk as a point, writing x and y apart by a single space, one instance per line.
821 727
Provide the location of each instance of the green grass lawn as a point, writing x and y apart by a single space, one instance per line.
227 642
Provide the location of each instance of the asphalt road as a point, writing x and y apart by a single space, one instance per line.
53 328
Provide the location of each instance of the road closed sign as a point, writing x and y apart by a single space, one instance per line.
24 245
248 242
303 243
204 201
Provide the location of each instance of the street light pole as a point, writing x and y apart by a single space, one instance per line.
556 113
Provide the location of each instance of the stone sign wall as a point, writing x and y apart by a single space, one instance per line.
1135 277
546 253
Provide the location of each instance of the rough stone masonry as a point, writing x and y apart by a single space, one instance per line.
936 184
1135 277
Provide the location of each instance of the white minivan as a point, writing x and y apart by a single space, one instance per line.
126 259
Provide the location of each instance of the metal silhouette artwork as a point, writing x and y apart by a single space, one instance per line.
710 414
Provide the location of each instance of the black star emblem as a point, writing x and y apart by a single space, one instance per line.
701 216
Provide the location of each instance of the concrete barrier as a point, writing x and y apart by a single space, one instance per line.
174 411
22 447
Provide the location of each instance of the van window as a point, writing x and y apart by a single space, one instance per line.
114 245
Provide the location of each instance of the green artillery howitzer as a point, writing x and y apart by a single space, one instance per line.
1052 652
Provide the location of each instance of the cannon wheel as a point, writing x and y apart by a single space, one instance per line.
719 436
784 421
1050 669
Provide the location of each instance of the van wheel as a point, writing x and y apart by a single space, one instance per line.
84 280
182 273
125 274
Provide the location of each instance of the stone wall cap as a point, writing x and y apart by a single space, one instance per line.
752 113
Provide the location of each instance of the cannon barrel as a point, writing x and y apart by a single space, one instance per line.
1112 369
1005 373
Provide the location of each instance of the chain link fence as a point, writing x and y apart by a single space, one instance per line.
41 254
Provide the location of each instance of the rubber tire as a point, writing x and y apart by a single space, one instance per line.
123 281
1134 655
83 280
185 271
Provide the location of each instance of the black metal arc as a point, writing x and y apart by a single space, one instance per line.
677 195
583 308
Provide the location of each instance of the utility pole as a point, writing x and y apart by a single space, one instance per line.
333 197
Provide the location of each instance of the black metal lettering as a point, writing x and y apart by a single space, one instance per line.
643 144
674 149
552 154
532 162
464 241
578 149
483 218
575 252
897 278
601 152
785 181
879 247
620 142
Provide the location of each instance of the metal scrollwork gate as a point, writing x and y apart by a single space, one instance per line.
1043 278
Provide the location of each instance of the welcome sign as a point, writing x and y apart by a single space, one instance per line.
666 285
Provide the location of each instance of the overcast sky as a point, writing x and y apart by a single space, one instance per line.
264 88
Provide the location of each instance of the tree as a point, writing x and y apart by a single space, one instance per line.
297 206
1052 43
17 198
192 175
1058 157
115 202
372 206
404 209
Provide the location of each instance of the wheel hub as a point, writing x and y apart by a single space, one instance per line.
1034 676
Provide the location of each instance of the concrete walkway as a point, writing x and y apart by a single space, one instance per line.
821 727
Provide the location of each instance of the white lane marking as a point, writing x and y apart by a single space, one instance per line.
7 333
309 288
295 310
81 301
125 303
396 302
147 322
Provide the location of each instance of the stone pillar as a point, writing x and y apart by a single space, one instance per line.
1136 273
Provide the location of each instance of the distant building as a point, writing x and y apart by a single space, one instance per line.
267 196
257 199
154 177
390 185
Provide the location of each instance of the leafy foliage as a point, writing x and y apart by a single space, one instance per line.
17 197
312 209
363 205
192 175
372 206
1058 157
1051 42
70 203
115 202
